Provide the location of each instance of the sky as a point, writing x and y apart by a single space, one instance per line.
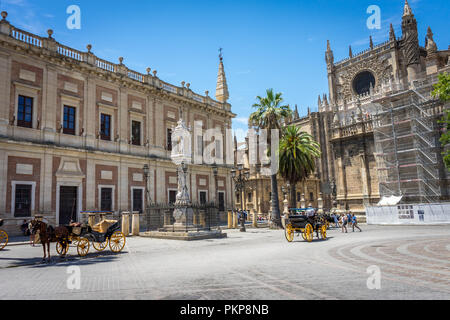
266 44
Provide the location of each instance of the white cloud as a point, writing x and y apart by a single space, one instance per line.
241 120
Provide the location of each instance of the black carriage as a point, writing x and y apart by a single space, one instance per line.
3 237
82 236
306 226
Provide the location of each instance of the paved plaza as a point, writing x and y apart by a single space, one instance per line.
414 262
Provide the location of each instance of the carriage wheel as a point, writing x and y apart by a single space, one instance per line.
74 241
3 239
323 232
289 233
117 242
83 247
100 246
62 248
309 232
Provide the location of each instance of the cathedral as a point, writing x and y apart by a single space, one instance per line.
378 128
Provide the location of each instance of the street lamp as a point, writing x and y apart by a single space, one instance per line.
240 177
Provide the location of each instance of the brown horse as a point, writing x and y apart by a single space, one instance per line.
48 234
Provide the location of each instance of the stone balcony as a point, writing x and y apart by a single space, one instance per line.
352 130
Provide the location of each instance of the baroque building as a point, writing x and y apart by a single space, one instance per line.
378 126
76 132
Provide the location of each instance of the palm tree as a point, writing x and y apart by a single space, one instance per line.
271 114
298 152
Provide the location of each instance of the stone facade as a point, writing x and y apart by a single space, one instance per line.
344 123
119 123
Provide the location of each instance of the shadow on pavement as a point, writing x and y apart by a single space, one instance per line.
58 261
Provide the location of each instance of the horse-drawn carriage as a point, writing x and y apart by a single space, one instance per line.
3 237
306 226
82 236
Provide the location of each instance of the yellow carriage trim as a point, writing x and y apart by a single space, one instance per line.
3 239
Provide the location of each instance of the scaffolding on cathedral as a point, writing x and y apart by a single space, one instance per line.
406 147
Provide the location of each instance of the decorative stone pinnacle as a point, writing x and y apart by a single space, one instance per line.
4 15
391 33
148 70
407 10
182 83
188 85
121 60
50 33
89 47
429 34
206 92
154 73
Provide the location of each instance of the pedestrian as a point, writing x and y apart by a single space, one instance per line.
349 217
344 221
32 236
336 220
355 223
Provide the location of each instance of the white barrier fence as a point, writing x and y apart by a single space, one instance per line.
438 213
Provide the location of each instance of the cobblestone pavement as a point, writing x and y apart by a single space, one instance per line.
260 264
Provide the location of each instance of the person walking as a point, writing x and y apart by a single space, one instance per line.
344 221
336 220
355 223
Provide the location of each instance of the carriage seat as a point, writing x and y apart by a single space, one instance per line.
103 226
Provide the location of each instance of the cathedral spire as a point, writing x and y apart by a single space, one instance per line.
329 54
431 45
407 10
391 33
222 94
325 100
296 114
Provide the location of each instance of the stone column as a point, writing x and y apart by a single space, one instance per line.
167 218
320 203
49 107
126 223
195 218
135 224
203 219
255 220
230 219
302 201
341 190
364 179
235 220
5 88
